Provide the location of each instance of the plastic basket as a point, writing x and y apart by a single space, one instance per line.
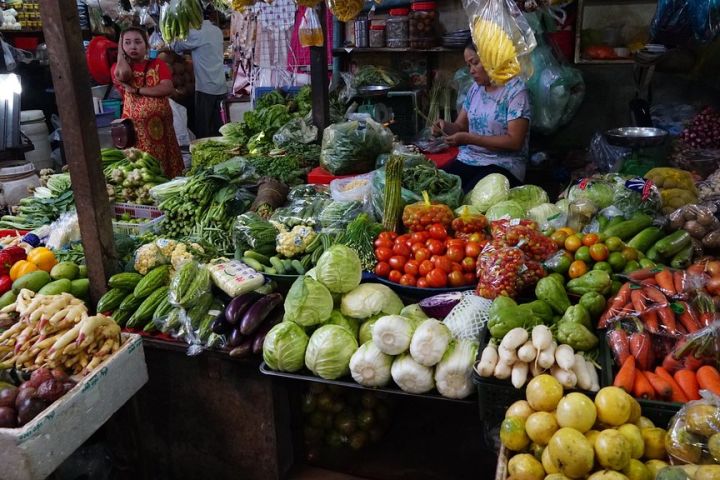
260 91
149 212
137 211
138 229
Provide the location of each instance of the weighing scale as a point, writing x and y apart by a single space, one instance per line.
637 139
396 109
369 95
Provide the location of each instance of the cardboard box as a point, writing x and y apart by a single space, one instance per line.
35 450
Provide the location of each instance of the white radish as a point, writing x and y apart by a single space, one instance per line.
546 358
527 352
519 374
489 358
584 379
502 371
595 379
506 355
541 337
565 357
566 378
514 338
536 369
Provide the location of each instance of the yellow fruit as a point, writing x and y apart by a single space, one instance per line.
556 476
613 406
634 437
635 411
654 439
636 470
612 449
571 452
691 470
525 467
707 472
536 450
540 427
592 436
644 422
702 419
577 411
607 475
512 434
713 446
543 393
683 445
654 466
547 462
496 51
520 409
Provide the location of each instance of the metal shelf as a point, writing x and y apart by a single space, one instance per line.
620 61
349 50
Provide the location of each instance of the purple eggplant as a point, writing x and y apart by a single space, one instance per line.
259 310
220 324
235 338
273 319
239 305
243 350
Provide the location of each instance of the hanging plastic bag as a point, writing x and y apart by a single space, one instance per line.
503 38
310 31
345 10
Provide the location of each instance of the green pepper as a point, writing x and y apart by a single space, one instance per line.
577 314
593 281
505 314
576 335
594 303
552 291
540 309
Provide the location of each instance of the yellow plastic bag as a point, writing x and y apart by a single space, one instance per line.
666 177
345 10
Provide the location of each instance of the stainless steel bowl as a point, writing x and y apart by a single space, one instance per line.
636 137
373 90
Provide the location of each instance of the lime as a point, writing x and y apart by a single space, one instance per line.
631 266
617 261
583 253
604 266
559 263
614 244
646 263
630 253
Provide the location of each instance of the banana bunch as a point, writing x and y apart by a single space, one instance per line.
496 51
55 331
177 18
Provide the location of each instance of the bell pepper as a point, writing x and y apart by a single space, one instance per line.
577 314
21 268
5 283
540 309
594 303
505 314
551 291
576 335
9 257
593 281
43 257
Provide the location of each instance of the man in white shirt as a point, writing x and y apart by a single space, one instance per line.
206 47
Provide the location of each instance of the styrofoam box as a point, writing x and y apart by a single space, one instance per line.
35 450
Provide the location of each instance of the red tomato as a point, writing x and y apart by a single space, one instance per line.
417 246
456 267
475 237
455 253
388 236
455 242
397 262
395 276
422 283
383 243
425 267
437 278
408 279
401 249
382 269
443 263
419 237
437 231
472 249
468 264
383 254
456 279
436 247
422 254
469 278
412 267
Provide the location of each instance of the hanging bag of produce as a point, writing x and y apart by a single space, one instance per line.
503 38
345 10
310 31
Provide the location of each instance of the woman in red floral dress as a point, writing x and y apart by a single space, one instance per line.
146 86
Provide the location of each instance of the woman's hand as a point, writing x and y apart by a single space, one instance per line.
438 128
127 88
457 139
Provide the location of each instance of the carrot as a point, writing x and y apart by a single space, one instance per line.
650 319
619 345
649 282
638 300
681 330
655 296
671 364
696 269
618 301
667 317
679 281
665 282
642 274
688 383
642 387
662 388
707 318
625 377
691 362
709 379
688 319
677 394
641 349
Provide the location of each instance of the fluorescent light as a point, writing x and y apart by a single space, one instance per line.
9 86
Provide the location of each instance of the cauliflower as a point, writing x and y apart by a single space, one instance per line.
166 246
146 258
180 255
295 241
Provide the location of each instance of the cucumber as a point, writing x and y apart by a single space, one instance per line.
277 265
628 228
682 259
673 243
645 239
252 263
653 255
288 266
613 221
259 257
602 222
298 267
125 280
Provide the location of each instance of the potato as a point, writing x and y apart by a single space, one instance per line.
712 240
695 229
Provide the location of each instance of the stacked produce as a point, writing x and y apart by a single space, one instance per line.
45 205
704 130
177 18
677 187
19 405
701 223
132 173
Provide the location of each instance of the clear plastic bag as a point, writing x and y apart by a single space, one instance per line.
303 211
310 31
335 217
345 10
606 157
691 434
309 191
681 21
524 235
505 271
357 189
189 285
503 38
352 147
297 130
234 277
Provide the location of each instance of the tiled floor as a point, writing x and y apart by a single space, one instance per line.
312 473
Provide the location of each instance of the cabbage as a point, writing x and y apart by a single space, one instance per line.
369 299
490 190
564 205
308 302
547 215
453 375
329 351
365 333
284 347
598 192
392 333
528 196
370 367
410 376
413 311
339 269
337 318
429 342
505 209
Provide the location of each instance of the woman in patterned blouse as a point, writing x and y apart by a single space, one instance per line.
491 129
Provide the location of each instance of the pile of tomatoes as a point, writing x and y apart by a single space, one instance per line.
428 259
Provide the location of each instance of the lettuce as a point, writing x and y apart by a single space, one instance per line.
528 196
505 209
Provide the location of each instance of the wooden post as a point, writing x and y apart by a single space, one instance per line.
319 78
71 80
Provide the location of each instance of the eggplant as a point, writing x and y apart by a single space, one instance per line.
220 325
235 338
255 315
243 350
239 305
273 319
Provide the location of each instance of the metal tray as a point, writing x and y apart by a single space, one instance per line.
373 90
636 137
306 376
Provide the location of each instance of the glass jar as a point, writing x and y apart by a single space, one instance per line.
377 36
423 20
397 34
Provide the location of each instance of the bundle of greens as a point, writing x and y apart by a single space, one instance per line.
360 235
209 152
45 205
353 147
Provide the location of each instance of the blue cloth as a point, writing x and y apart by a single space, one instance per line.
488 115
206 48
